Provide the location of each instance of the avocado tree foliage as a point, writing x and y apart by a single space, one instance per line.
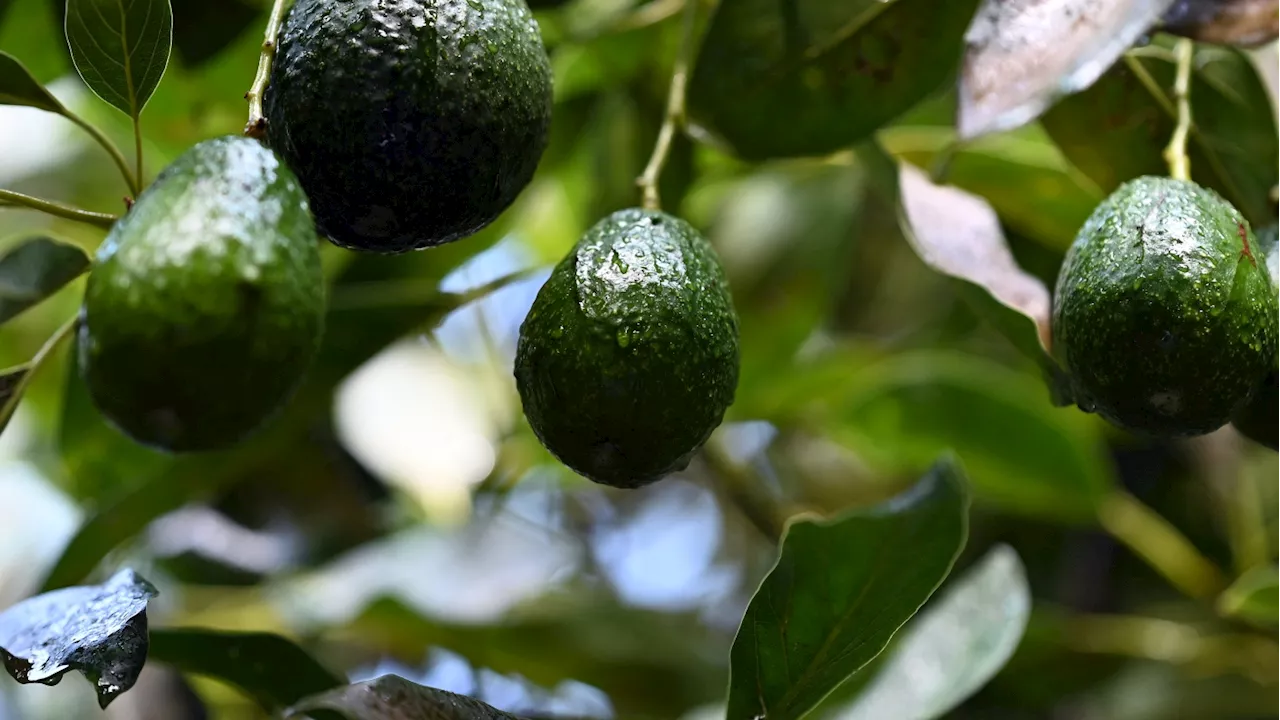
832 224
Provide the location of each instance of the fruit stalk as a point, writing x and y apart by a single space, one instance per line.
1176 152
57 209
256 127
675 114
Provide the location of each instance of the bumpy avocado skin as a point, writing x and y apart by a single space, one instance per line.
206 303
629 356
1260 418
411 123
1164 315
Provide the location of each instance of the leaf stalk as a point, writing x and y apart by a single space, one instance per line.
57 209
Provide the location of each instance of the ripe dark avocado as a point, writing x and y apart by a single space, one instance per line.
411 123
1260 419
629 355
1164 315
206 302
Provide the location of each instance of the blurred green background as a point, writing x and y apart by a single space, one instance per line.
400 516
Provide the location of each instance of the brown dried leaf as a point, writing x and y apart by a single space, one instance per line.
1021 55
1246 23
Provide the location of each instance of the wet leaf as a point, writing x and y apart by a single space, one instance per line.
953 647
100 630
1246 23
391 697
1117 129
1022 455
814 622
36 269
776 79
1254 597
18 87
1021 55
269 668
120 48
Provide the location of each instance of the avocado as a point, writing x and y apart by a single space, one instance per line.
411 123
1164 315
206 302
629 356
1260 419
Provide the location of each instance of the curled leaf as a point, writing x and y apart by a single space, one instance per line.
391 697
100 630
1021 55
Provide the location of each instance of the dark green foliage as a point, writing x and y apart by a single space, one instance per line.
214 278
1164 314
410 124
1257 418
629 356
35 270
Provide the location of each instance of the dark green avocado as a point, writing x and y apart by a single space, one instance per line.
411 123
629 355
206 302
1164 314
1260 419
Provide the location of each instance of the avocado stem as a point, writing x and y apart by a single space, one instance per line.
57 209
256 127
1176 152
674 116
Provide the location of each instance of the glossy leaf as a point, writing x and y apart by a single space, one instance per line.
839 592
953 647
1247 23
271 669
1117 130
1254 597
1022 455
100 630
1021 55
18 87
391 697
120 48
793 78
34 270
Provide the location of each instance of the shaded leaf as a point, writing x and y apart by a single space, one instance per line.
34 270
808 78
1021 55
815 621
1254 597
18 87
957 644
1117 129
391 697
1247 23
269 668
10 388
100 630
202 29
120 48
1022 454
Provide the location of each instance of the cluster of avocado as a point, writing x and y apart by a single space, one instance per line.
1165 314
396 125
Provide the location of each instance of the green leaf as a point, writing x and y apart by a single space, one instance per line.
957 643
203 29
1117 130
1022 454
100 630
840 590
18 87
805 77
269 668
34 270
1254 597
391 697
120 48
1020 57
10 388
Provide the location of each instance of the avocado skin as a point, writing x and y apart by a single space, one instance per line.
1163 322
1260 418
206 303
411 123
629 356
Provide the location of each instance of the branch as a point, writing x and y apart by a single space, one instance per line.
257 125
675 114
743 488
1160 544
57 209
1176 153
